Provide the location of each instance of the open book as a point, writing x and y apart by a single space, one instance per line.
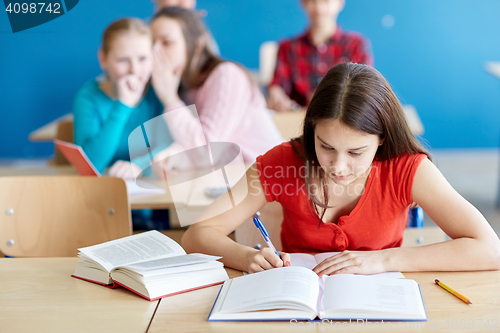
150 264
298 293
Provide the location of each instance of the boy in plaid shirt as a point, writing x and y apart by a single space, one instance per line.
304 60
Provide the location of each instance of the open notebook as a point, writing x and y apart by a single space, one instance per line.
84 167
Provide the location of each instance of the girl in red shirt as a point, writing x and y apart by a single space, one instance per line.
346 185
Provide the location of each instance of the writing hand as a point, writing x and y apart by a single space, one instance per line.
264 259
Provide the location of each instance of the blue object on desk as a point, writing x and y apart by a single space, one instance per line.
264 233
416 217
215 192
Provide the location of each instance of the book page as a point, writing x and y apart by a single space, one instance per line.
181 263
272 289
322 256
128 250
381 297
302 260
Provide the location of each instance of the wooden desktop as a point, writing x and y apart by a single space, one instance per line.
188 312
38 294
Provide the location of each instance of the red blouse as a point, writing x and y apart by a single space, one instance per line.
376 222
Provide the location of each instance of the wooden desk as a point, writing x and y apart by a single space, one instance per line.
39 295
288 125
157 201
188 312
48 132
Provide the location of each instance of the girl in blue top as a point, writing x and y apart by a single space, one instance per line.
107 109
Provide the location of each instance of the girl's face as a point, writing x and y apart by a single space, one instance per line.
168 34
130 53
344 153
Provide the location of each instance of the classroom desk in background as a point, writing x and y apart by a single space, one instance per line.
156 201
38 294
189 204
48 132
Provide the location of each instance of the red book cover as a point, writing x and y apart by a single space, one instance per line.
172 294
116 284
77 157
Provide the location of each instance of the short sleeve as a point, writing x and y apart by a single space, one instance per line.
270 166
403 174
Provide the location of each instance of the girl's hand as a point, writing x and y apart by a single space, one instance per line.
129 90
165 78
355 262
125 170
264 259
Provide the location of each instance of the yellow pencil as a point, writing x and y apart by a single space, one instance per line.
453 292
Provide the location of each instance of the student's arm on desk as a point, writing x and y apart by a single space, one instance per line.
474 244
210 235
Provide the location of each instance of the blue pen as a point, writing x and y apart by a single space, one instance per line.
263 231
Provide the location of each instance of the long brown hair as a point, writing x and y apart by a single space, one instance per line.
200 62
360 97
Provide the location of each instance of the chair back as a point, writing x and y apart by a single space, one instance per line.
54 216
64 133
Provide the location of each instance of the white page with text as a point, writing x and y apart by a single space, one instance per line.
263 290
132 249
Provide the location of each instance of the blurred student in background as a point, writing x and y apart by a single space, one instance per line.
191 5
304 60
230 105
107 109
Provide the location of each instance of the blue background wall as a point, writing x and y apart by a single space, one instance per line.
433 56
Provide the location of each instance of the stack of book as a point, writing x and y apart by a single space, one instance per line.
150 264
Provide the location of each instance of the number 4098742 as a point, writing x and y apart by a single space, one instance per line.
34 8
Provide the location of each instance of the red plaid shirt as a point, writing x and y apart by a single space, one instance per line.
301 65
